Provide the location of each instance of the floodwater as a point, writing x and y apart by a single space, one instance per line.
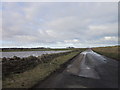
28 53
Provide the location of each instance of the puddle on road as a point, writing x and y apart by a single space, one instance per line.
87 65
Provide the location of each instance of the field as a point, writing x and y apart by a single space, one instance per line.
30 77
111 51
32 49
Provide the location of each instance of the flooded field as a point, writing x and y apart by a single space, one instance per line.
28 53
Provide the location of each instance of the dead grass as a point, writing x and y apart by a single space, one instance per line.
111 52
29 78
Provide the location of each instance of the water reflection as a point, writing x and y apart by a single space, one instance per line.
28 53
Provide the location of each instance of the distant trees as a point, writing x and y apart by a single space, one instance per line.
70 47
21 49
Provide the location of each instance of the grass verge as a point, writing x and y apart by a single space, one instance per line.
29 78
111 51
18 65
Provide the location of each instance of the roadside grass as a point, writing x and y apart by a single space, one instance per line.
31 77
111 51
18 65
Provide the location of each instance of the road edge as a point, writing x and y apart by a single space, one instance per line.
61 69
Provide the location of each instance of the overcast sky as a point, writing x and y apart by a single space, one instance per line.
59 25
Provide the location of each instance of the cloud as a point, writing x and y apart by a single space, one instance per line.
59 24
111 38
72 41
104 29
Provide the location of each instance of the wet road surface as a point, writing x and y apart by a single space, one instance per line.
88 70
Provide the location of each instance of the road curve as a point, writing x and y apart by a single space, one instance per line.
88 70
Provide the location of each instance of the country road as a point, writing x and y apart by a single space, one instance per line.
87 70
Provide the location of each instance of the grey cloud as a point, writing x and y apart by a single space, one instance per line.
53 24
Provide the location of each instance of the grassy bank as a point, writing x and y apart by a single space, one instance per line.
111 52
18 65
30 77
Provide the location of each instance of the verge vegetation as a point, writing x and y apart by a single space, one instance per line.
111 51
34 69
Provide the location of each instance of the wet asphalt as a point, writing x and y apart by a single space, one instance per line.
88 70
